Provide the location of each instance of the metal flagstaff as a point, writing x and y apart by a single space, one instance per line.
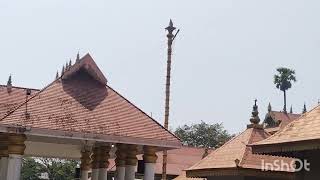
170 37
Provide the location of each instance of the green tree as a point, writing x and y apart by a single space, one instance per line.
203 135
31 169
57 169
283 81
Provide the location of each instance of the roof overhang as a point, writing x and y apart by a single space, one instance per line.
87 64
70 137
286 148
203 173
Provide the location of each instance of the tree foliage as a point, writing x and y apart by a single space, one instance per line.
203 135
31 170
283 81
57 169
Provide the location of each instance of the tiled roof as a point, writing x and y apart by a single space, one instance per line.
282 117
81 103
305 129
8 101
236 149
180 159
285 118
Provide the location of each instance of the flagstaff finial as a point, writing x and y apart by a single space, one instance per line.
170 28
304 108
255 114
9 84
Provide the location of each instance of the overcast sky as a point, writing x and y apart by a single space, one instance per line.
224 56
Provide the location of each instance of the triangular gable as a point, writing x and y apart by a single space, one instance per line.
79 103
87 64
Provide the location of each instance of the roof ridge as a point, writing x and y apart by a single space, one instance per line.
216 150
19 87
245 153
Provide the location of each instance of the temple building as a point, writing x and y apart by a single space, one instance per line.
79 116
299 139
235 160
276 120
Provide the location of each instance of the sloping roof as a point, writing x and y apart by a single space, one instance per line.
79 103
178 160
282 118
8 101
301 134
235 154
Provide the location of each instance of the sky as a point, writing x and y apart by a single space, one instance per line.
224 57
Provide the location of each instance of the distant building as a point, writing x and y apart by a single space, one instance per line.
276 120
235 160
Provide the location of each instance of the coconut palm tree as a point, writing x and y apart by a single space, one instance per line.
283 81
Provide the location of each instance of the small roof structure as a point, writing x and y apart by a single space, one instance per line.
301 134
235 158
77 108
276 120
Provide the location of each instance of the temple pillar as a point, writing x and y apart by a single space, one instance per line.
120 162
95 164
104 161
149 158
85 164
16 149
131 162
3 155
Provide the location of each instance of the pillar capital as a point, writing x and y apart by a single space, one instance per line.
121 155
95 158
3 145
131 159
150 155
104 156
16 143
85 160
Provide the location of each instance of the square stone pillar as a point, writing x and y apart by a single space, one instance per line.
131 162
